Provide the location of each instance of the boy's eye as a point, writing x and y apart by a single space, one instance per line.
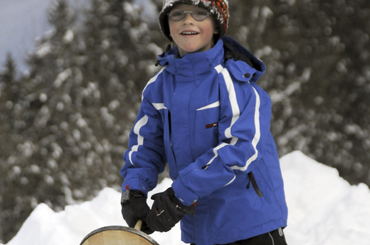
197 14
177 13
200 13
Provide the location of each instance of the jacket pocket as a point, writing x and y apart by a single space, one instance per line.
205 133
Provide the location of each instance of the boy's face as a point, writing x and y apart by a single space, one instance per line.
191 35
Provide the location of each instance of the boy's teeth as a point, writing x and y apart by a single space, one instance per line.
189 33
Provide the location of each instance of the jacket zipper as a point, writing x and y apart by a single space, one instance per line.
254 184
170 134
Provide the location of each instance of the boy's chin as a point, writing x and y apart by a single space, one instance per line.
193 50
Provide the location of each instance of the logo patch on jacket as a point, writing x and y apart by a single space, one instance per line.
212 125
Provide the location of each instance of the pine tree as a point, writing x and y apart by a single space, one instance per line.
32 175
8 93
80 101
8 76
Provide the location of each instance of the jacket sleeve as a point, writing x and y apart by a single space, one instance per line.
145 158
244 126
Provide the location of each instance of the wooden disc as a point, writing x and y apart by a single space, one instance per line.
117 235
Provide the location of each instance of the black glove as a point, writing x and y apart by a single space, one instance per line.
166 211
134 207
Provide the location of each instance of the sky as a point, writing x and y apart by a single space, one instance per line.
23 21
324 209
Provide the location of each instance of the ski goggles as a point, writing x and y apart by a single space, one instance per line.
197 14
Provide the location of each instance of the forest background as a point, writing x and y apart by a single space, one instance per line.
64 123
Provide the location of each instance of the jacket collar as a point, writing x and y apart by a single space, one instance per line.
192 63
241 62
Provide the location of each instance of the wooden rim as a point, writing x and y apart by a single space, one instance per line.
120 228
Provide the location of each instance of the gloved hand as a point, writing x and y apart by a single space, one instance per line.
166 211
134 207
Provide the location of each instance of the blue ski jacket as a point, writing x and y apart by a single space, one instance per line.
206 117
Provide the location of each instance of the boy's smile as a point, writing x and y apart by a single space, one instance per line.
191 35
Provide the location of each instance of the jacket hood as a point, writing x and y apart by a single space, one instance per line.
236 52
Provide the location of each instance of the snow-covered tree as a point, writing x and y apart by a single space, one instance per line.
77 106
8 75
317 59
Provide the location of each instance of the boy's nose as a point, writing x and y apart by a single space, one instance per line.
188 17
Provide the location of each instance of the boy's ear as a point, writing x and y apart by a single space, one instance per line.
216 31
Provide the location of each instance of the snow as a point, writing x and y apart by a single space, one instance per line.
62 77
324 209
68 36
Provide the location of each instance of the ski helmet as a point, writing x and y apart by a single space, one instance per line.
219 8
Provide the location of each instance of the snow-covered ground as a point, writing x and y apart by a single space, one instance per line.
324 209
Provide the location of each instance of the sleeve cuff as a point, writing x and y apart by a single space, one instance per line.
186 196
135 184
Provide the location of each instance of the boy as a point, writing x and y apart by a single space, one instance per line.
204 114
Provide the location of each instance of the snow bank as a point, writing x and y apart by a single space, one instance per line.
323 209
